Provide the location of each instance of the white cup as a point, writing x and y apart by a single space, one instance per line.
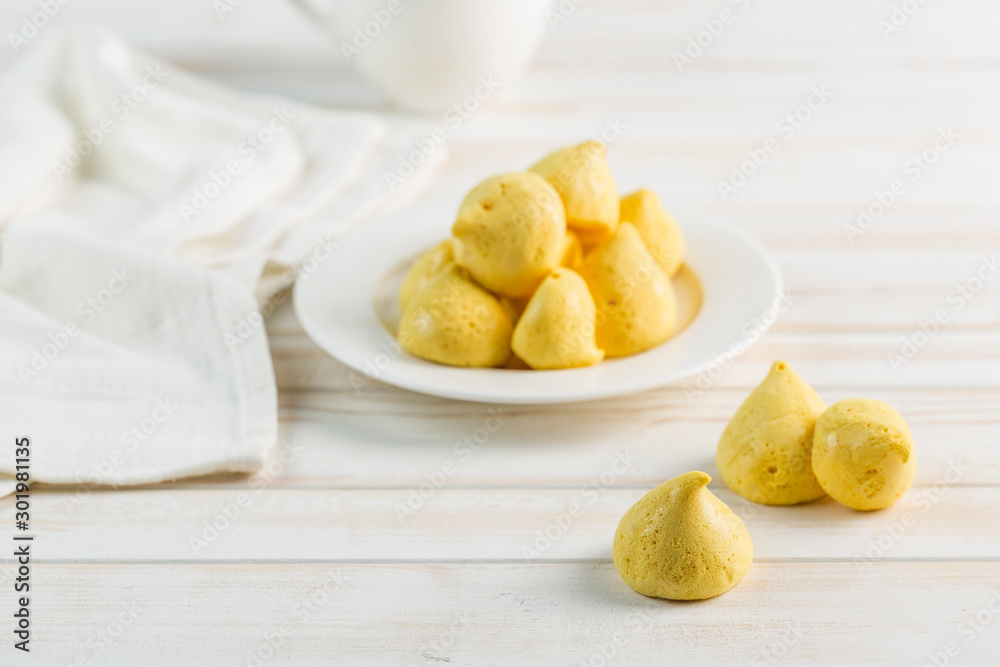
428 55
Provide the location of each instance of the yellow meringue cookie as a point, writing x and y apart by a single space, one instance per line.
863 453
451 320
556 329
765 453
427 266
572 251
583 179
681 542
636 304
509 233
657 228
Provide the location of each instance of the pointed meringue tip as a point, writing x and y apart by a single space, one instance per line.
780 366
694 479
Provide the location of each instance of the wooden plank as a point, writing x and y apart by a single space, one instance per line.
348 439
502 614
384 437
438 522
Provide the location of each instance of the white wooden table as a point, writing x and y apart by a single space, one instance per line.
321 567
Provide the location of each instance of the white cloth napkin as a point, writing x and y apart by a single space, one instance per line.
144 213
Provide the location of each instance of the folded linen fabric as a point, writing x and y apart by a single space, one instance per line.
144 213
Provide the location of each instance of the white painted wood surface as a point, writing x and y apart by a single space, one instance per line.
319 566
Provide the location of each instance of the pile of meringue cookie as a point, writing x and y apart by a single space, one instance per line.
546 269
783 446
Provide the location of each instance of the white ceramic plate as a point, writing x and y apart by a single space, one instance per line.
727 293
